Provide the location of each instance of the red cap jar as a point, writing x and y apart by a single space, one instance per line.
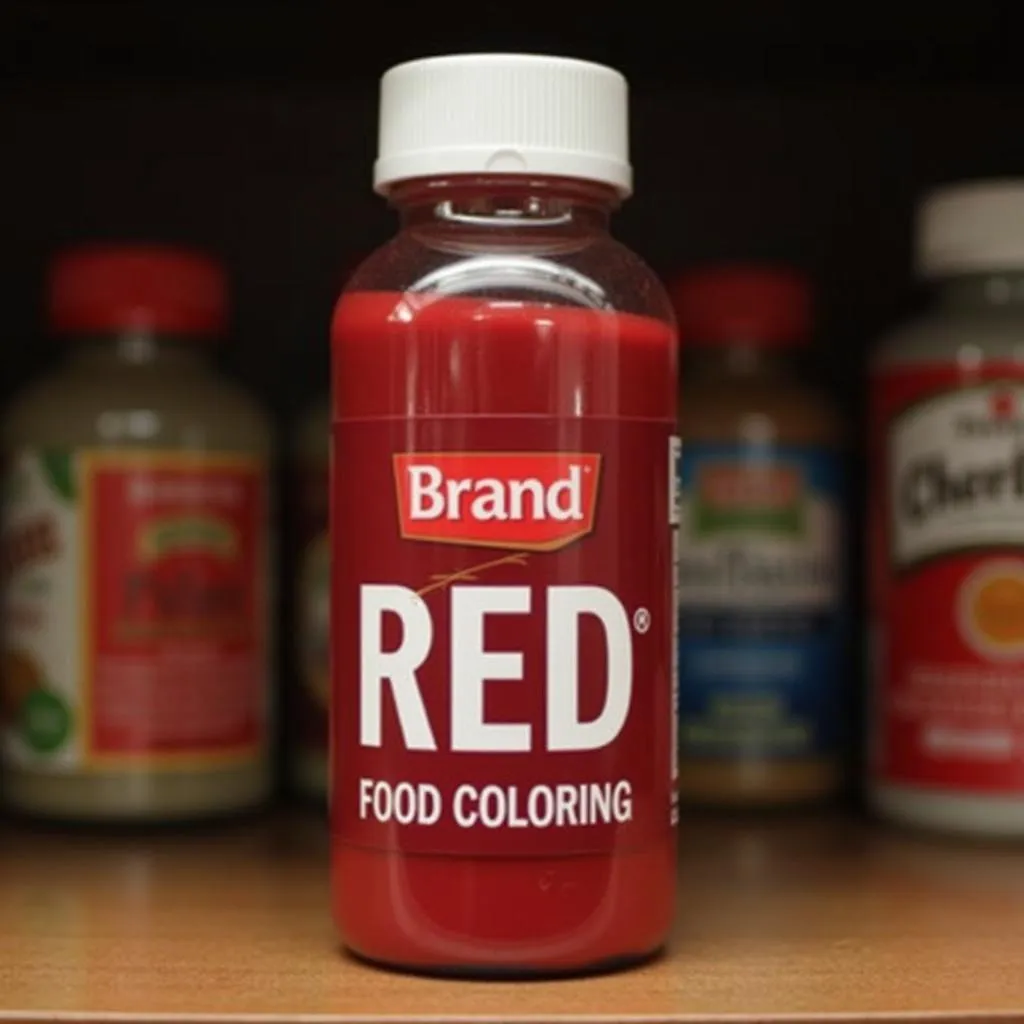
135 531
100 289
761 625
765 307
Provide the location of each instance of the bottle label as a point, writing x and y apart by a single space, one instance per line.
947 589
502 635
312 602
134 609
760 588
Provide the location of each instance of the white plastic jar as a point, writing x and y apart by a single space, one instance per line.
946 593
136 590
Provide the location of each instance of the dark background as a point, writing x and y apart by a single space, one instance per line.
767 129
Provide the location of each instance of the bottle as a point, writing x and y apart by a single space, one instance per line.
309 692
760 577
311 688
946 600
135 586
501 521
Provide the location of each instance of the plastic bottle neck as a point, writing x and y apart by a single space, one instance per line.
507 209
121 350
982 293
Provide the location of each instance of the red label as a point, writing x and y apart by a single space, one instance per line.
764 487
537 501
177 592
515 701
947 577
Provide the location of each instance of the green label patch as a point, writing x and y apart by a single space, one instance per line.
748 497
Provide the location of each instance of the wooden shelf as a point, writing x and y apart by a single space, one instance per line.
782 918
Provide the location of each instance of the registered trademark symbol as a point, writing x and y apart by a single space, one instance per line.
641 620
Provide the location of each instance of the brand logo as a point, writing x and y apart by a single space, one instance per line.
930 487
530 501
957 464
999 417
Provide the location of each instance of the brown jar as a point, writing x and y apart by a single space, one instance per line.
760 479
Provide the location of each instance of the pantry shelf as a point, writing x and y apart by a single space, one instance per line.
782 917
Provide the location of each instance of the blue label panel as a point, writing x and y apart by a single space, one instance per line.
761 629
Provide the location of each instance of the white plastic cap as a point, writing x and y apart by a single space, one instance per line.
973 227
503 113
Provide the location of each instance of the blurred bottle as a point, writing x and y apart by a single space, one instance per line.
760 618
310 690
308 694
946 600
135 532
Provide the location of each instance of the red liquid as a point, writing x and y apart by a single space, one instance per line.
430 371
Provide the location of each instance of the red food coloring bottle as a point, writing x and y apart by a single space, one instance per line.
503 515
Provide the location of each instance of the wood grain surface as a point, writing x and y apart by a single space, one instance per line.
784 918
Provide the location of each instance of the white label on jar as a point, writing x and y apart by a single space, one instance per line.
957 473
41 628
